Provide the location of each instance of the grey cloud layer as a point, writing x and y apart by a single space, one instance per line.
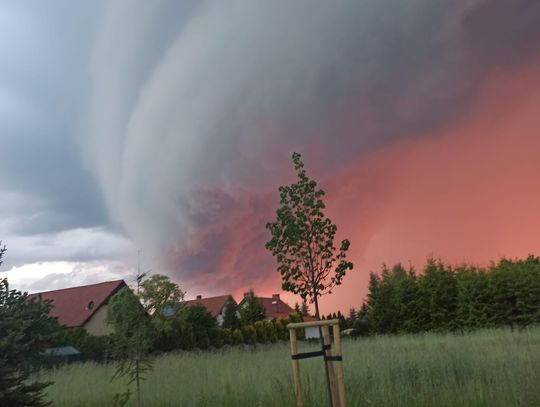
165 100
241 84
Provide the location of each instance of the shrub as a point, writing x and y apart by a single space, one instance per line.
237 337
249 334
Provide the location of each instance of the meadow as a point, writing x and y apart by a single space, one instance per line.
486 368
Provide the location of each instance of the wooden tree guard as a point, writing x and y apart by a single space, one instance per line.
334 360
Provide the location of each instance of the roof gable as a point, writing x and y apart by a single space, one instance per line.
76 305
273 307
213 304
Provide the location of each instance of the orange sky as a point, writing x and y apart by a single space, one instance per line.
469 193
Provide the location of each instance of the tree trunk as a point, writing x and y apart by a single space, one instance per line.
326 370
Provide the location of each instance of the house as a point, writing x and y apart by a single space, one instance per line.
274 307
215 305
84 306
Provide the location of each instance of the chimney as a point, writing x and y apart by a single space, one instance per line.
275 296
247 294
199 297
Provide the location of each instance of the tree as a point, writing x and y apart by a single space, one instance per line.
25 330
131 339
203 324
230 317
252 310
163 301
303 241
304 309
160 295
439 292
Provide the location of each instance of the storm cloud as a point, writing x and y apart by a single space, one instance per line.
172 123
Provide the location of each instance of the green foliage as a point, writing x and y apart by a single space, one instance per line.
237 337
132 340
303 240
172 332
159 295
92 347
163 301
203 324
281 330
260 331
251 310
249 334
25 330
444 299
230 317
226 336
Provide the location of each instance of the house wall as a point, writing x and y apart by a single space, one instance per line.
220 318
97 325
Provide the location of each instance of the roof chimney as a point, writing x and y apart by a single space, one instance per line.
199 297
247 294
275 296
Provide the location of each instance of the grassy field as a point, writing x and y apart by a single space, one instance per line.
488 368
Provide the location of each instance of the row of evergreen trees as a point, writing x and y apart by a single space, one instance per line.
444 298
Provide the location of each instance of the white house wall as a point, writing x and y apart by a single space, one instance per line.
97 325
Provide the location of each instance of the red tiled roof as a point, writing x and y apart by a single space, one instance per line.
75 306
274 307
213 304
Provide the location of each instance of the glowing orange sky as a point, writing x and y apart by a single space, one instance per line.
468 194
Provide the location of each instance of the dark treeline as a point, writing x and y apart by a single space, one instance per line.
445 298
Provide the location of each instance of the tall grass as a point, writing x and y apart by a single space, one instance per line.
488 368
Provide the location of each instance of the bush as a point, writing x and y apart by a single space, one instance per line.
237 337
270 331
260 331
96 348
249 334
281 330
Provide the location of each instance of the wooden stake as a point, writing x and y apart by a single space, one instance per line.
333 388
296 370
339 367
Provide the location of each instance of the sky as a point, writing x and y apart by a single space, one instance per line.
166 127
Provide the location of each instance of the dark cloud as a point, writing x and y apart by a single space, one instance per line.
243 84
185 113
42 84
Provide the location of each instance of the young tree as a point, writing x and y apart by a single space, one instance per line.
230 317
303 241
25 330
252 310
132 340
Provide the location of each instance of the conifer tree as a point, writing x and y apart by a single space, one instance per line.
251 310
230 317
25 330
